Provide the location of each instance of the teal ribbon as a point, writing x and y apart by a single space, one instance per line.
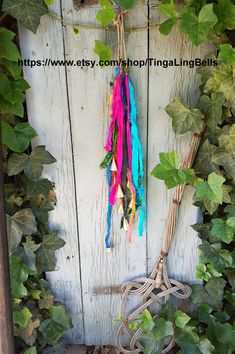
137 161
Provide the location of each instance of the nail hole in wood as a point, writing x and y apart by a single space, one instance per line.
83 3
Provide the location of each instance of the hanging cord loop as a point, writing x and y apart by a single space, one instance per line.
158 287
121 47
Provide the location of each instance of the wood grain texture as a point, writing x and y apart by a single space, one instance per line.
164 85
89 91
48 113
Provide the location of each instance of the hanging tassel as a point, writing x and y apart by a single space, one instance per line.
124 159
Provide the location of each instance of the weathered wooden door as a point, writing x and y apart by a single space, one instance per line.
68 106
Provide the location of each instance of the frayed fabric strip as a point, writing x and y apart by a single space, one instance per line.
124 159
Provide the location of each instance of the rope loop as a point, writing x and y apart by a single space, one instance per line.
121 47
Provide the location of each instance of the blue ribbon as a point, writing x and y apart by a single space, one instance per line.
137 161
110 209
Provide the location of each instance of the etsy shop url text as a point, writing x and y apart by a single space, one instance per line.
140 63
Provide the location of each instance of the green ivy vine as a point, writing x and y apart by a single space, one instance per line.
39 322
209 327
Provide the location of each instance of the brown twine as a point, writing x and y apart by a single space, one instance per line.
158 287
121 47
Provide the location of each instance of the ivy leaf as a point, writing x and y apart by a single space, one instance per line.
227 189
106 14
230 297
8 49
167 8
5 85
27 254
227 53
181 319
198 28
41 186
31 350
211 293
202 273
167 311
210 190
147 322
188 340
39 157
16 164
19 137
205 346
22 317
126 4
13 68
52 242
29 334
224 229
35 294
167 170
222 316
32 164
46 254
18 276
222 80
41 212
27 12
46 303
223 158
204 314
225 11
218 257
202 229
59 315
103 51
230 274
184 119
230 210
163 329
22 222
52 329
212 107
227 141
166 26
225 333
45 259
204 164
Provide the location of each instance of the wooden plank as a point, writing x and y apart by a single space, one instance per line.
48 113
164 85
89 91
7 343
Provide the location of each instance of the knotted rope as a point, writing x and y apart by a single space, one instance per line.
158 287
